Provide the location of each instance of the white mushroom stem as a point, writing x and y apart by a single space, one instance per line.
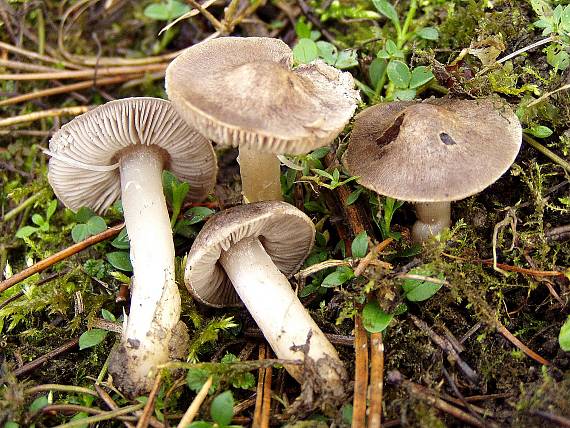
155 301
282 318
260 175
432 218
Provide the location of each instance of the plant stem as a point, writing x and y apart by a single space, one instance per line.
11 214
400 42
403 36
546 152
102 417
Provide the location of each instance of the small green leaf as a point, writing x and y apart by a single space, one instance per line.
540 131
428 33
121 241
120 260
51 209
360 245
302 29
79 233
222 409
196 378
96 225
91 338
314 207
564 336
26 231
346 411
84 214
383 54
417 290
353 197
78 417
346 59
557 57
376 70
108 315
198 214
323 173
201 424
338 277
404 94
121 277
156 11
38 220
168 11
11 424
399 74
420 76
386 9
328 52
305 51
374 319
319 153
38 404
391 47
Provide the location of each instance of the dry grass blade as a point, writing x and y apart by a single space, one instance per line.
33 55
376 380
85 74
360 374
64 89
149 406
511 338
194 407
56 112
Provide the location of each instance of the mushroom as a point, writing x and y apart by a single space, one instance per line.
244 92
246 253
432 153
120 149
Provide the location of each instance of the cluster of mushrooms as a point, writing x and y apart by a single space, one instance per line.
245 92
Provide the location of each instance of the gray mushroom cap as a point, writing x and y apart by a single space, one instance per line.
83 169
238 91
286 233
435 151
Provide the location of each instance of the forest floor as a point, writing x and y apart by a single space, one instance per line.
480 346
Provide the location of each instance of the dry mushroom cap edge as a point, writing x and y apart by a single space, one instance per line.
286 233
246 93
83 169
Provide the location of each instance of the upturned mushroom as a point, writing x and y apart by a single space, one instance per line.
432 153
246 254
244 92
120 149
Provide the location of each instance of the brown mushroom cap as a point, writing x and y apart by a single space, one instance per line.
237 90
83 170
286 233
433 151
